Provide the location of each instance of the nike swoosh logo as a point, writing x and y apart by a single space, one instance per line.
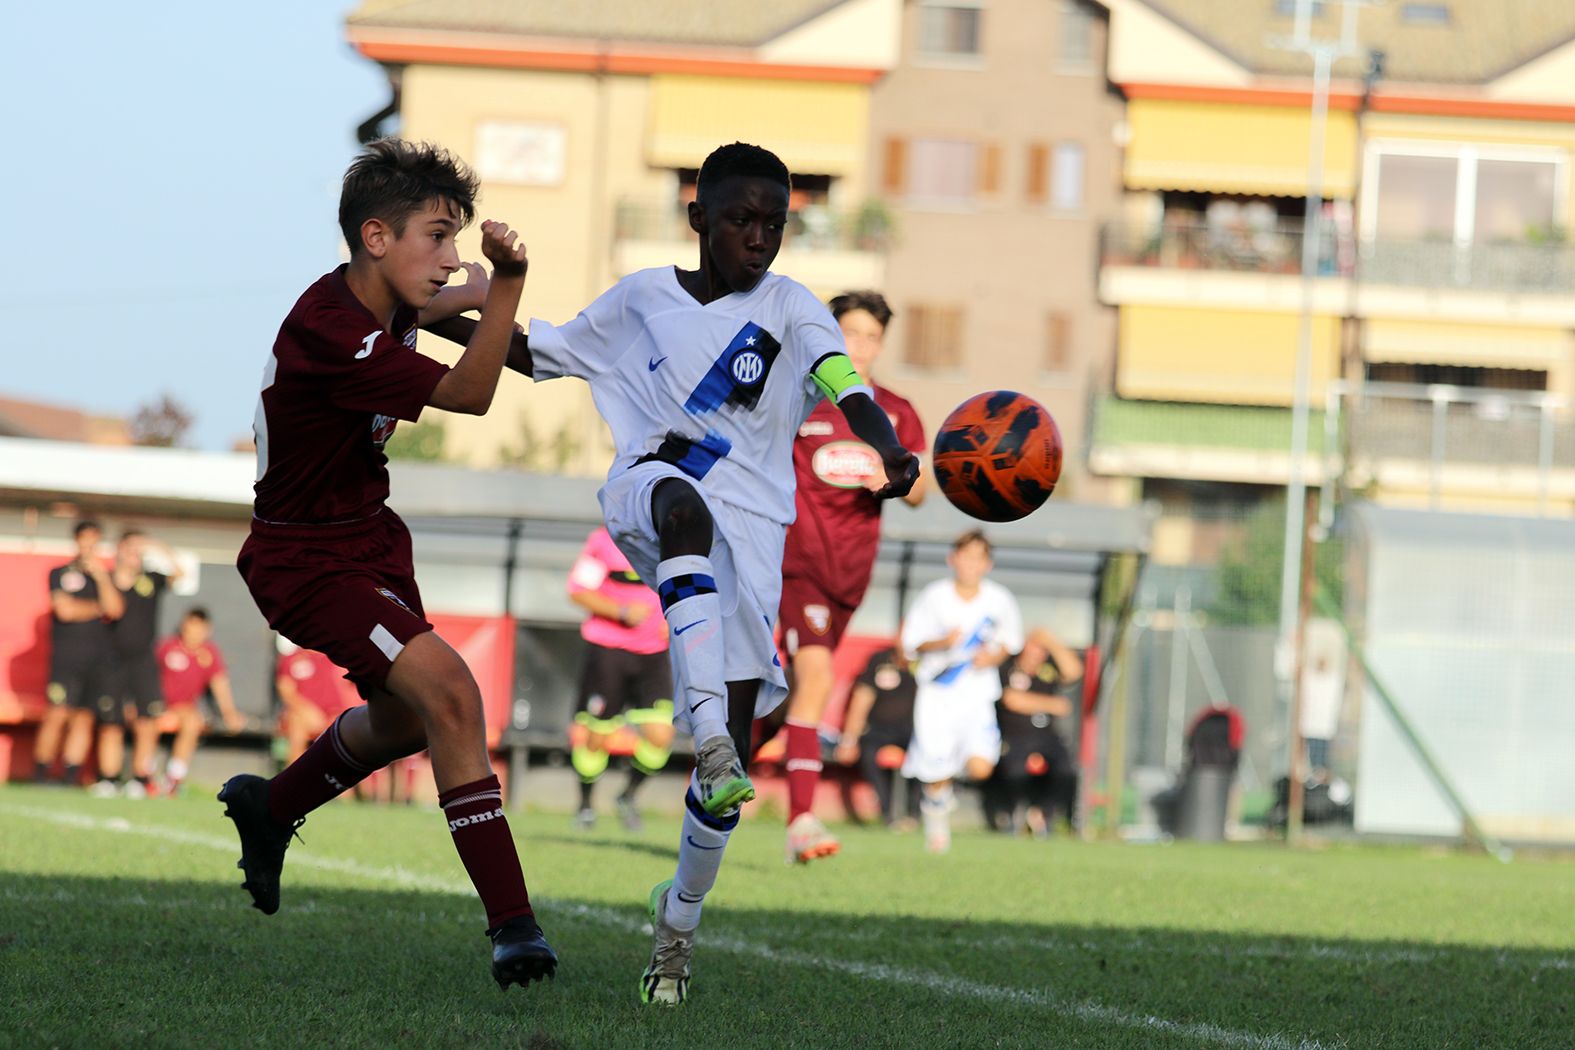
654 363
681 630
691 840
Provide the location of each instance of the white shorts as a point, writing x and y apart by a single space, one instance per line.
948 731
746 560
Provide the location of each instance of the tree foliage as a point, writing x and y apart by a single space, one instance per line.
161 423
1250 570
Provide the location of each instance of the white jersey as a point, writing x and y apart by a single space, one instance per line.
990 617
717 390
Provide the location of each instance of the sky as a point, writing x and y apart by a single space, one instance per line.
172 177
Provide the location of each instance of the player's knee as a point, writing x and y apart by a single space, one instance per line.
683 522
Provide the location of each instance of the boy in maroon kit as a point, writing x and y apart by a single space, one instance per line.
330 566
829 555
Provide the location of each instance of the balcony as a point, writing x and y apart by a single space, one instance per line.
827 250
1438 445
1522 268
1259 267
1173 439
1275 249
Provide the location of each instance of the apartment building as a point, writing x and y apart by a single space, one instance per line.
1442 312
993 142
587 124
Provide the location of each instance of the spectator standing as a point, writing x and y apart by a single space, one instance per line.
627 677
135 669
82 601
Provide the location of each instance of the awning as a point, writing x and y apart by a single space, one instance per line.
1239 357
1469 345
1235 148
814 127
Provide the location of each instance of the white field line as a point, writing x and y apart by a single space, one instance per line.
941 984
1376 956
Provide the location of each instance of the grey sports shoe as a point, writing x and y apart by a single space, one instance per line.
666 979
724 786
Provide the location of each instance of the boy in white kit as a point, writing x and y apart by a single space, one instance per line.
703 377
962 629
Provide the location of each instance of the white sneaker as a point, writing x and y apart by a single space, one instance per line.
104 789
666 978
808 839
135 789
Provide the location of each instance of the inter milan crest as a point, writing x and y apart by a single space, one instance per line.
748 367
738 376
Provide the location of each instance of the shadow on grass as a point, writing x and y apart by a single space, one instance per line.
122 962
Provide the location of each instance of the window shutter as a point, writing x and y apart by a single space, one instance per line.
894 171
1038 190
989 169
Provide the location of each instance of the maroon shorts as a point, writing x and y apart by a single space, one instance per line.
348 591
809 616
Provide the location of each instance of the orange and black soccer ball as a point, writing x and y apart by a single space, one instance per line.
998 456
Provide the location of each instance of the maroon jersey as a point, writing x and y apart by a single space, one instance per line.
835 537
186 673
334 388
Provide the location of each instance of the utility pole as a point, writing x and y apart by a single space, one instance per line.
1324 54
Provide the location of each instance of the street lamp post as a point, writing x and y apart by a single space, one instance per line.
1287 662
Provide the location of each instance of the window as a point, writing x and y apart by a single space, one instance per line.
1457 375
1515 200
1469 195
934 336
1066 177
1058 341
1075 49
1287 8
1416 197
1425 14
521 153
942 170
949 31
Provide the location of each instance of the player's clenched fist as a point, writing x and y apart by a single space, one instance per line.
503 250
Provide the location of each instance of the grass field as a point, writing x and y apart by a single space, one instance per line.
122 924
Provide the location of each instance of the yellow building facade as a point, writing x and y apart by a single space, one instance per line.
1443 299
586 135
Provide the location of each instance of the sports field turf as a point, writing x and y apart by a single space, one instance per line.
122 924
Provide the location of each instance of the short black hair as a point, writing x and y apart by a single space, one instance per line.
739 159
872 303
392 179
974 536
197 612
83 525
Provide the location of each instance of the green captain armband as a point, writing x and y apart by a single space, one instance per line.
835 376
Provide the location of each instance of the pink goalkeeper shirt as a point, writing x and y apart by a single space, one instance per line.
602 568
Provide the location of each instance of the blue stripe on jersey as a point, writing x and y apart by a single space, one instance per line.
718 383
701 456
951 674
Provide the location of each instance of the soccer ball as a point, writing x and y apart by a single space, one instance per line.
998 456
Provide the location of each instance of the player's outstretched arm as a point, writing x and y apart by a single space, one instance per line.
470 385
459 330
872 426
